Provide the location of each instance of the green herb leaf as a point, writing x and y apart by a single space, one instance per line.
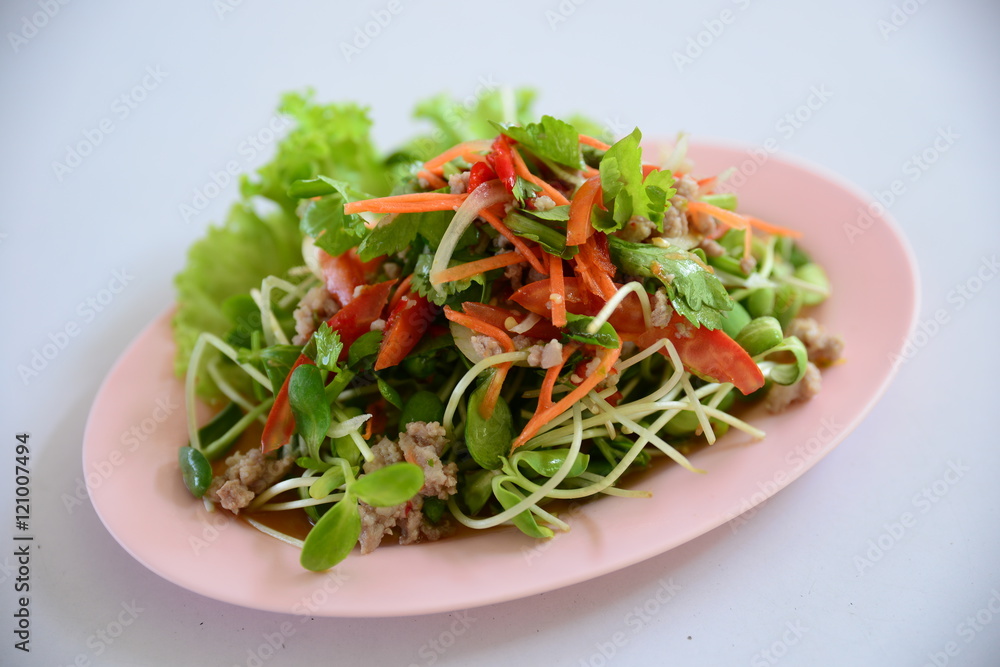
488 440
546 462
605 336
475 489
694 292
310 463
760 335
307 397
389 393
277 360
423 406
228 261
388 486
551 139
626 193
328 347
726 200
335 231
331 480
792 372
218 427
552 241
333 537
454 291
556 213
524 190
366 347
525 521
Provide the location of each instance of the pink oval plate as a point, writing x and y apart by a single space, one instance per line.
137 423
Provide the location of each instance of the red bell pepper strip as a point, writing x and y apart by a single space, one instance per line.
350 322
502 161
479 173
708 353
280 424
408 320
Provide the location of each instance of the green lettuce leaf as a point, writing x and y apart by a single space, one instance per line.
326 139
228 261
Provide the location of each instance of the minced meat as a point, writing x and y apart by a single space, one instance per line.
824 348
545 355
662 310
421 444
486 346
316 306
247 475
781 396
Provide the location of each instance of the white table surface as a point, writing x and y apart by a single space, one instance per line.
788 586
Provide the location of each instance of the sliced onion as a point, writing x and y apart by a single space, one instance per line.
310 253
485 195
531 320
677 157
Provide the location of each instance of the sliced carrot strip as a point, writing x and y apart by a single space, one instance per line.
542 417
515 240
476 267
734 220
558 296
522 170
403 288
432 179
412 203
594 143
501 337
436 163
748 241
579 211
595 278
771 228
551 375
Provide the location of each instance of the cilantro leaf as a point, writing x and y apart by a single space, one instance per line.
551 139
694 292
335 232
524 190
605 336
328 347
626 193
455 291
389 236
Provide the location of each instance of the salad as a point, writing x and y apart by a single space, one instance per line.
501 316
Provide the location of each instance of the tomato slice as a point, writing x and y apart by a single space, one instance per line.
408 320
350 322
534 297
356 318
708 353
342 275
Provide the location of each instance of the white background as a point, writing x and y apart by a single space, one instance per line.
896 75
